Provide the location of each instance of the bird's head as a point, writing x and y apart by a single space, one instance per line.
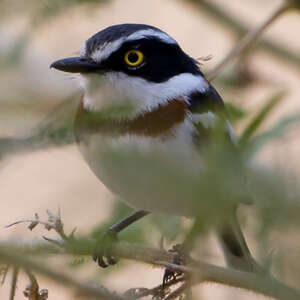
142 63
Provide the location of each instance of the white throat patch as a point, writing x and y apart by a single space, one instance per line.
117 88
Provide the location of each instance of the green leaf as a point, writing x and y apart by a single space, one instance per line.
264 112
169 226
274 133
234 112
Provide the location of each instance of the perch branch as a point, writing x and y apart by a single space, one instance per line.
265 285
11 256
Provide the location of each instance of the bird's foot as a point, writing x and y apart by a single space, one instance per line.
180 258
102 253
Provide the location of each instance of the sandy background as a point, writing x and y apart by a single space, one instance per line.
60 178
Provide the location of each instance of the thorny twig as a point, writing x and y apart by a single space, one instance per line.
201 271
157 292
247 40
27 263
178 292
32 291
54 222
237 27
194 272
264 284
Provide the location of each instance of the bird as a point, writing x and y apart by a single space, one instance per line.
145 112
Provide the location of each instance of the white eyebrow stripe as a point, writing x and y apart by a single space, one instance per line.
105 50
151 33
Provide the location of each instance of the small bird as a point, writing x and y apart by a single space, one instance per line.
145 112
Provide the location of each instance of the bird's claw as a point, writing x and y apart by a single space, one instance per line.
179 259
102 253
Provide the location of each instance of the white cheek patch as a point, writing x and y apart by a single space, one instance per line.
119 88
99 93
148 95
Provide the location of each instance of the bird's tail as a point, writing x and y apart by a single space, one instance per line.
236 252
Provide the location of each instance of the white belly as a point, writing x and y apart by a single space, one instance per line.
148 173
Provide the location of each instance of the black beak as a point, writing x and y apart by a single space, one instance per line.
76 65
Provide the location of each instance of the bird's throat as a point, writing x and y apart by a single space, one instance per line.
158 122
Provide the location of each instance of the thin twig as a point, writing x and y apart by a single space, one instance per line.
178 291
237 27
54 222
144 292
25 262
32 291
13 285
248 40
265 285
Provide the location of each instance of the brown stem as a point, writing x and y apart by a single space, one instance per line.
178 291
265 285
13 285
247 40
238 28
14 258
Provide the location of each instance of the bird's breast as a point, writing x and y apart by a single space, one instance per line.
140 159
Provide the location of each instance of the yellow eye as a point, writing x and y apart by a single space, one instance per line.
134 58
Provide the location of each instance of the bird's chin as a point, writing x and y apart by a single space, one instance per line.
100 93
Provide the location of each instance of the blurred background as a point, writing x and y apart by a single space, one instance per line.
35 33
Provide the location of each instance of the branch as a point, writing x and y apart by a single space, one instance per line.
54 222
266 285
32 291
11 256
155 292
225 19
248 40
56 130
178 292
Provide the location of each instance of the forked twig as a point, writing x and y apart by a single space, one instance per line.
54 223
